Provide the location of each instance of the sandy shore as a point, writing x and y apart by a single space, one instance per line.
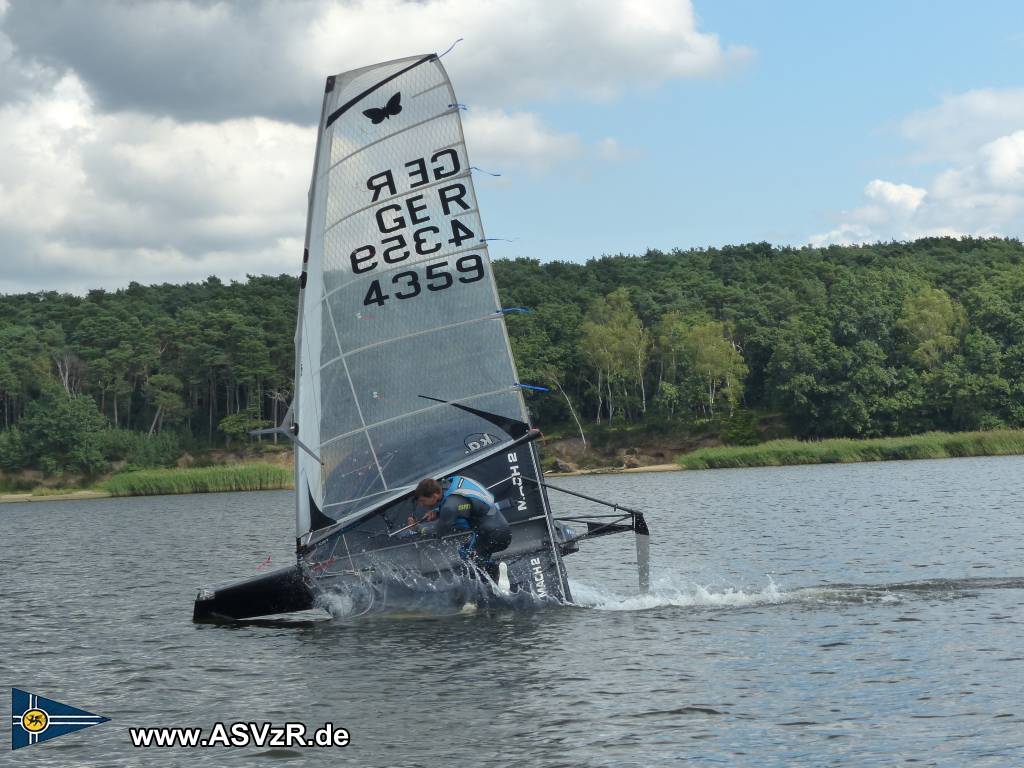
14 497
616 470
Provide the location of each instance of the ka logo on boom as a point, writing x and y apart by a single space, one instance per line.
478 441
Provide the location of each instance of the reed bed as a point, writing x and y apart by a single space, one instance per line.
931 445
237 477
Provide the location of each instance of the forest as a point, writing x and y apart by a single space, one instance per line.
846 341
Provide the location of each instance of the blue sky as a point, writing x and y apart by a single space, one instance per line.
776 149
170 140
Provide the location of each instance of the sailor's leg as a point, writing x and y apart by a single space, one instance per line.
488 544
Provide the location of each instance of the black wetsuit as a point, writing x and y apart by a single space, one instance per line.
463 513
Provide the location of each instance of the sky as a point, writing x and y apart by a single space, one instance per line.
167 141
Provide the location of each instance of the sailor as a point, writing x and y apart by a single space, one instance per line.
462 504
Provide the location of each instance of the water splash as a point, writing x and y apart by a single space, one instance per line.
676 591
337 604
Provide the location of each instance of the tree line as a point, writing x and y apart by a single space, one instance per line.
873 340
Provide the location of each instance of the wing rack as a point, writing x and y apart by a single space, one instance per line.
606 525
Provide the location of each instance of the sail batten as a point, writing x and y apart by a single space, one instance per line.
491 316
427 187
509 388
410 128
399 267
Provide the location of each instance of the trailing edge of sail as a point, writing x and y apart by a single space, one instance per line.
399 316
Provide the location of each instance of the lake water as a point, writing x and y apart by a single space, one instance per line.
857 615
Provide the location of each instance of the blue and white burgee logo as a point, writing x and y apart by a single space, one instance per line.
35 718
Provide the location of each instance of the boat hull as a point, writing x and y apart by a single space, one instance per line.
285 590
388 585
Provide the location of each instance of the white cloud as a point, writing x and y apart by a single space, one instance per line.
516 51
977 141
505 143
162 140
76 269
499 141
610 150
953 130
901 196
201 60
88 199
1003 162
844 234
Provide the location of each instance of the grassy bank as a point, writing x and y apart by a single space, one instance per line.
235 477
932 445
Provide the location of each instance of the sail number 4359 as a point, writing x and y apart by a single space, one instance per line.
435 277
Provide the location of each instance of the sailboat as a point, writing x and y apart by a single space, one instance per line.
403 371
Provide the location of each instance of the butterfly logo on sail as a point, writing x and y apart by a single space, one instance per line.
380 114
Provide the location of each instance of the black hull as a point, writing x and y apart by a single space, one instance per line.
386 587
285 590
439 592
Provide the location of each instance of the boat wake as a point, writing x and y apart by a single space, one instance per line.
677 592
666 592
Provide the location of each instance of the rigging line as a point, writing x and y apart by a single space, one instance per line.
405 264
477 168
392 135
376 424
351 560
451 47
541 516
364 498
331 556
464 175
500 482
352 387
583 496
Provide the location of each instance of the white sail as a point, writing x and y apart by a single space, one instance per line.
398 302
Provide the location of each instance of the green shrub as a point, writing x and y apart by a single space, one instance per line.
932 445
741 429
60 432
140 450
16 485
12 449
238 477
